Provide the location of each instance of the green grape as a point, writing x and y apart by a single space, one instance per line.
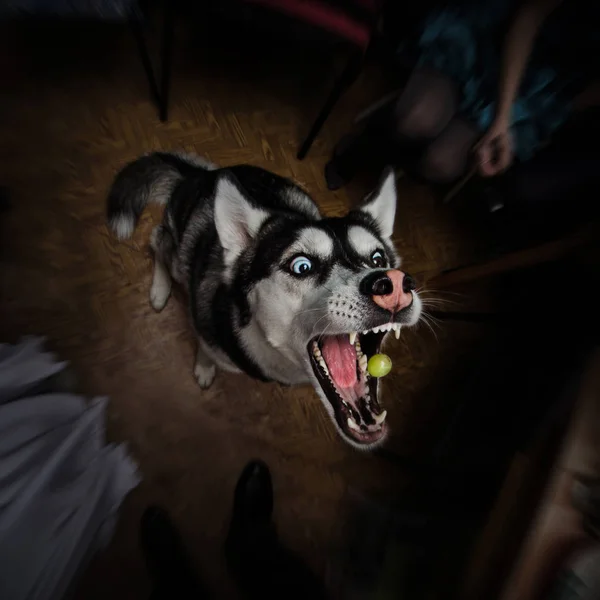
379 365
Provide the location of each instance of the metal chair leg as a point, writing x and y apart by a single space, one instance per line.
346 79
135 22
166 58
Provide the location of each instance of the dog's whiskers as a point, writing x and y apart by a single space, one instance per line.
429 320
312 333
322 335
307 310
438 296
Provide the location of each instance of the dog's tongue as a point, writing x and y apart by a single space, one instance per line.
340 357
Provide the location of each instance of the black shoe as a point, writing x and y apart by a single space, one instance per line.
251 524
253 499
167 559
255 557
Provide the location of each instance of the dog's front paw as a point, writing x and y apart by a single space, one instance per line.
204 375
159 294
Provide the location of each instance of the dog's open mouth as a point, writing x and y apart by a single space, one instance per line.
340 365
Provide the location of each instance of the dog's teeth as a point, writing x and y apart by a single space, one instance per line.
362 362
379 419
397 331
375 329
323 366
353 338
352 424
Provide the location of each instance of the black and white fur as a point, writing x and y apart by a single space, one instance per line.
228 236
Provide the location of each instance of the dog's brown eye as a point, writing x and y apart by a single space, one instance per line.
377 259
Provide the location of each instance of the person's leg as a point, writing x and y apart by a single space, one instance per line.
421 111
424 108
450 154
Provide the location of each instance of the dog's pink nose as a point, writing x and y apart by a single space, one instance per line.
395 291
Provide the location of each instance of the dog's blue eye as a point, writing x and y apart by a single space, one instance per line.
301 265
377 259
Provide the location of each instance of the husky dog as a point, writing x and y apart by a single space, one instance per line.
275 290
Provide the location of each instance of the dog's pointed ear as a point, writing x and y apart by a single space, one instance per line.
381 204
236 219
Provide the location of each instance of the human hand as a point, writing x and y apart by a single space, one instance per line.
494 151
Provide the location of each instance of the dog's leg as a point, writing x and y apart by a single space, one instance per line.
204 369
160 289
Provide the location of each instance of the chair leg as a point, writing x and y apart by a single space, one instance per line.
135 22
166 59
160 96
346 79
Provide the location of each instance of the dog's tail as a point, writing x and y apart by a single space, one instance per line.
149 179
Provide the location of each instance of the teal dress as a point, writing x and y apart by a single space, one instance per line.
465 42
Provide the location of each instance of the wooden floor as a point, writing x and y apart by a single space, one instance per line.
74 109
